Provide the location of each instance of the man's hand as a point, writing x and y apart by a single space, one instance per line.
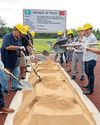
22 48
27 58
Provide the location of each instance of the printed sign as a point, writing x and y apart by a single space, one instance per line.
45 21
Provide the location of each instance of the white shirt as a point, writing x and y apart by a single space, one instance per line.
79 49
87 56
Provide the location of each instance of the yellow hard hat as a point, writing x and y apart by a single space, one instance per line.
87 26
69 32
27 27
79 29
60 33
33 33
21 28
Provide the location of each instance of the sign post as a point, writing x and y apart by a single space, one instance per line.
45 21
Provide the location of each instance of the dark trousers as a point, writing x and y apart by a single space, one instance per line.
61 57
89 71
1 98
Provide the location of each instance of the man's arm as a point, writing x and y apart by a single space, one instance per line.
11 47
96 51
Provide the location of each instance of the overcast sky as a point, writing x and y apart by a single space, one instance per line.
78 11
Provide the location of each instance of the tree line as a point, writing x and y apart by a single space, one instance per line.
4 29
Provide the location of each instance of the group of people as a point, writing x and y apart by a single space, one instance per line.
16 47
79 53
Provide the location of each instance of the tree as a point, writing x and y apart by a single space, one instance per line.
3 28
2 23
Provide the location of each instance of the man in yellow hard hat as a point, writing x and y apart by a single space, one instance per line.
61 40
27 40
11 46
23 54
89 58
69 53
78 55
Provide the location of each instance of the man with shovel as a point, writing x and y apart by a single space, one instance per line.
9 52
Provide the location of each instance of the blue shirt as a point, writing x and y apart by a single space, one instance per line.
10 57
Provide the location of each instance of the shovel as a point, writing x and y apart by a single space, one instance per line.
35 71
22 84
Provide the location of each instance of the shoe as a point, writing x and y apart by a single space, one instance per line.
23 77
88 92
27 71
73 77
69 70
6 110
5 92
82 78
85 86
16 89
61 64
28 66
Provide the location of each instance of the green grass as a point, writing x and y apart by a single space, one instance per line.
0 42
39 44
99 45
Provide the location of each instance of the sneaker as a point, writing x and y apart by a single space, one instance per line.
28 66
73 77
16 89
61 64
23 77
69 70
6 110
82 78
5 92
88 92
85 86
28 71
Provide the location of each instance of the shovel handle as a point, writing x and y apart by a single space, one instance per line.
34 70
9 73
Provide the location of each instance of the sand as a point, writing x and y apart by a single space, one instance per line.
53 101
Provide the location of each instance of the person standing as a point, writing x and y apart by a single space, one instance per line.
78 55
3 108
89 58
61 40
69 53
11 46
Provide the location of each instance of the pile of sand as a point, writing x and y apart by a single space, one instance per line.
53 101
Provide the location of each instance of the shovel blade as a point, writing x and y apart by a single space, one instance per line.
25 85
